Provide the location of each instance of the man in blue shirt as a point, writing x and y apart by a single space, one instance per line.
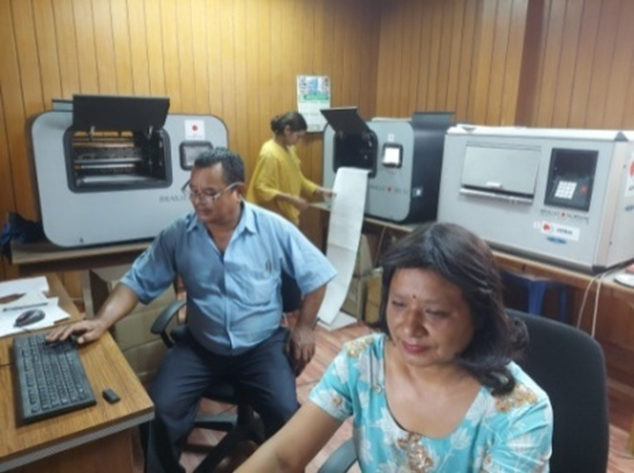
230 256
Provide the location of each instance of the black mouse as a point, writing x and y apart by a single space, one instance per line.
29 317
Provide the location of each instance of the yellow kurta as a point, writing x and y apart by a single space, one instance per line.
279 171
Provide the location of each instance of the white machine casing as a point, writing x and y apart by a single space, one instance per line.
563 196
102 216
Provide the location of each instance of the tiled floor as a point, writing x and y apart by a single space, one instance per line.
328 345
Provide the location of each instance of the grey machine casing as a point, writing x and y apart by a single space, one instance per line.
559 195
403 158
108 206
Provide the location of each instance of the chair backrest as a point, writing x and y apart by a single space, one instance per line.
569 365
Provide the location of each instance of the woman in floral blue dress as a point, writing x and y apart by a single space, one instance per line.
437 390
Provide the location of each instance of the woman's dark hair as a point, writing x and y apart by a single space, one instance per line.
293 119
232 164
460 257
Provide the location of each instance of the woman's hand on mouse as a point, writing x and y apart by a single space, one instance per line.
85 331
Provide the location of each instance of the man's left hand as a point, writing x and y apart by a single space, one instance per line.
301 347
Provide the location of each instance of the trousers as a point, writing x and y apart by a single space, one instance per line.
263 376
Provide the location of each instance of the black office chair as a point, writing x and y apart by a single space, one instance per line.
244 426
569 365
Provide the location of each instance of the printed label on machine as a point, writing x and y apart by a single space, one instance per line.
560 231
194 130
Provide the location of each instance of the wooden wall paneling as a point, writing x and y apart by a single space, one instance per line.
433 80
339 95
456 33
254 117
200 84
514 62
7 203
484 61
121 47
369 54
498 71
240 58
387 61
602 65
567 65
475 58
261 75
47 52
104 47
400 101
14 112
413 56
85 46
616 102
445 50
186 49
424 96
228 76
214 62
467 67
171 60
146 48
585 57
549 50
66 49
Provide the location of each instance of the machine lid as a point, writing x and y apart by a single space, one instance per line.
501 169
432 119
346 120
119 113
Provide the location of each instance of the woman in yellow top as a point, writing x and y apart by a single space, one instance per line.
278 183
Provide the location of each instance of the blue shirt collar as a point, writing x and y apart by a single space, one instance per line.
247 220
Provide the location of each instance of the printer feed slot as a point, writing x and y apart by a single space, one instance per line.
355 144
500 172
570 178
115 161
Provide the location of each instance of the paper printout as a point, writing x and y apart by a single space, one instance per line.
344 232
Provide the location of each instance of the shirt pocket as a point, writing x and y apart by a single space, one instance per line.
258 287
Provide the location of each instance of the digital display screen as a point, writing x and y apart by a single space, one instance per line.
190 150
392 155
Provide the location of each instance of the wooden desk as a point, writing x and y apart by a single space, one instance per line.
315 226
94 439
44 257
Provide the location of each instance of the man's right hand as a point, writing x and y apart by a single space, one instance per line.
85 331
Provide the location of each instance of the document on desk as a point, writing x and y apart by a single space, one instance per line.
32 300
344 233
22 286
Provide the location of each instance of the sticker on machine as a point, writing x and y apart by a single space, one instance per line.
629 185
194 130
560 231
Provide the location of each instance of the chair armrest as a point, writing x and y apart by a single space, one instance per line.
341 460
159 327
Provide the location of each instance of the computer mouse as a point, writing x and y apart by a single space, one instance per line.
29 317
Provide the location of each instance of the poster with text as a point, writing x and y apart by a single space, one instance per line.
313 95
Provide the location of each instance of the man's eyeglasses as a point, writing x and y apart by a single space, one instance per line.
206 196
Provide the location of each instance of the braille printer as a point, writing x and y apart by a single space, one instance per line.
560 195
403 158
111 168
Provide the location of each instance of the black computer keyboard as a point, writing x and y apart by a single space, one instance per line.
51 378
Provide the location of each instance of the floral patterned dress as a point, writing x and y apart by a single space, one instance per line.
510 433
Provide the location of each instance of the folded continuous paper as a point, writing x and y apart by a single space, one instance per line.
344 233
22 286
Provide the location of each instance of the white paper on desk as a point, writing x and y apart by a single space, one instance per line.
23 286
344 233
52 313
